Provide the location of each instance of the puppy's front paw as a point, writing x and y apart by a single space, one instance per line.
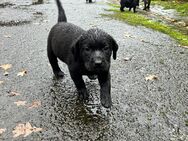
59 74
106 101
83 95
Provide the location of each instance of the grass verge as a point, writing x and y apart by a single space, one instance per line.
138 19
179 6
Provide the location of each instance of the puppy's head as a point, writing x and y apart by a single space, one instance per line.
94 49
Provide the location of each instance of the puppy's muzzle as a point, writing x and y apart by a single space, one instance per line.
97 59
98 62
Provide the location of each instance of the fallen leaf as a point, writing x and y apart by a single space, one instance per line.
22 73
6 66
14 94
126 34
7 36
35 104
36 23
25 130
20 103
142 40
127 59
2 130
151 77
5 73
1 82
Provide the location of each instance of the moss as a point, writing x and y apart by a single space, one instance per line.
141 20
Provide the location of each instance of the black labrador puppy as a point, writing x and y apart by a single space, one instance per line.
129 4
85 53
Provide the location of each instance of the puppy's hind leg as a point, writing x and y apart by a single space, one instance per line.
54 63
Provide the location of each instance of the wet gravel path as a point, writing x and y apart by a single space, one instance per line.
153 110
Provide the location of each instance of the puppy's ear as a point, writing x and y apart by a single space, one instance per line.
114 47
76 50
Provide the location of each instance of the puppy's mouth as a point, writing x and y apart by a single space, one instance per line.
96 68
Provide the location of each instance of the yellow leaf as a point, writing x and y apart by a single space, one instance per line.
151 77
2 130
20 103
35 104
24 129
22 73
6 66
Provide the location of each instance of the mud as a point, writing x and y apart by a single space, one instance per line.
142 110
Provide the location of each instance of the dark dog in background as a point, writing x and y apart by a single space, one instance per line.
85 53
90 1
129 4
147 4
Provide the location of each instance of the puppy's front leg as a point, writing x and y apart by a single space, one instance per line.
105 91
80 85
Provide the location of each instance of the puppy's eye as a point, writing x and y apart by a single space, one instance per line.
87 49
106 48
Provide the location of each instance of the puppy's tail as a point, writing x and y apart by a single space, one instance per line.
61 13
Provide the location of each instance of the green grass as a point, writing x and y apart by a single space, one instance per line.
141 20
181 7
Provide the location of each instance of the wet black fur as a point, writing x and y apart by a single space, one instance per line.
85 53
129 4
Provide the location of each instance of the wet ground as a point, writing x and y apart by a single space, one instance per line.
152 110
